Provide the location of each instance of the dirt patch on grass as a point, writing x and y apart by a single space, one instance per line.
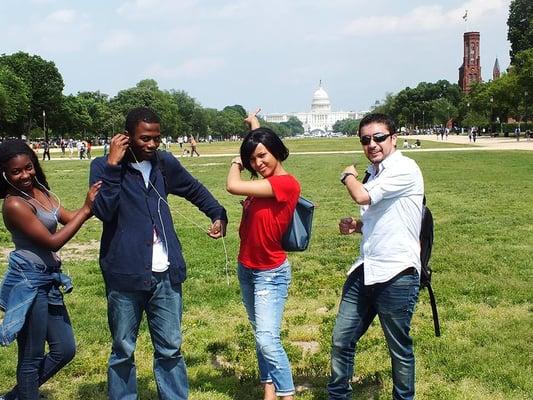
70 252
308 347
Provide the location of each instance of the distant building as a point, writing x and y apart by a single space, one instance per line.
470 71
321 118
496 70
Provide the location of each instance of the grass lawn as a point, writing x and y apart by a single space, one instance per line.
483 276
295 145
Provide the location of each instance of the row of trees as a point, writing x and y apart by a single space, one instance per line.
31 100
488 104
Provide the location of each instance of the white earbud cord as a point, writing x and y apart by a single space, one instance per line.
51 209
161 199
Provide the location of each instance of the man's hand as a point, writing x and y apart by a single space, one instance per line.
117 149
350 169
218 229
348 225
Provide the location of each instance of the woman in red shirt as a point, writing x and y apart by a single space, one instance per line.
263 269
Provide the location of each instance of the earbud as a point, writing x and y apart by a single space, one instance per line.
4 175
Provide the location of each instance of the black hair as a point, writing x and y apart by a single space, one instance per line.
268 138
11 148
377 118
140 114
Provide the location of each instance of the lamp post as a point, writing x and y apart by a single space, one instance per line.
44 127
491 114
525 110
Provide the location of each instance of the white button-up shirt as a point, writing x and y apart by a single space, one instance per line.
392 220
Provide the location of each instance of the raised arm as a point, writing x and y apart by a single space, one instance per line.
236 185
252 121
355 188
19 215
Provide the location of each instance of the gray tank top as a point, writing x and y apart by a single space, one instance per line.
27 248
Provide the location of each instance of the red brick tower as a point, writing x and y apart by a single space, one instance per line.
470 71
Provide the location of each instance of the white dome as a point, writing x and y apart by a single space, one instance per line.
320 101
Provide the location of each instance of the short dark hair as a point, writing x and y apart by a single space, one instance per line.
140 114
379 119
268 138
11 148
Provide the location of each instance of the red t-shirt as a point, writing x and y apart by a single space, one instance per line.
264 221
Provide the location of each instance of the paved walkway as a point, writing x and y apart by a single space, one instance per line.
483 142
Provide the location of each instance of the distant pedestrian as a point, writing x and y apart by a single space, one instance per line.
180 141
81 149
193 143
89 148
106 147
70 146
516 131
46 150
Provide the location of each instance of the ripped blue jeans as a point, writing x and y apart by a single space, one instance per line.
264 294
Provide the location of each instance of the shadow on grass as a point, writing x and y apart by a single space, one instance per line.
311 387
98 390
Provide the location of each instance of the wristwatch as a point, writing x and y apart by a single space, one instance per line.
345 175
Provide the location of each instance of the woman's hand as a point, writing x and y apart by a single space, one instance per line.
252 121
91 195
237 161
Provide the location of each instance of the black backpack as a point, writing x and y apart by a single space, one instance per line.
426 244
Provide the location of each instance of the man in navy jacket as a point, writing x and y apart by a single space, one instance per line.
140 254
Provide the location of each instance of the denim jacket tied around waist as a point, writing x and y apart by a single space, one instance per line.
19 288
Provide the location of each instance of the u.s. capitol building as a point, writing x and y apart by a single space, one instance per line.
321 118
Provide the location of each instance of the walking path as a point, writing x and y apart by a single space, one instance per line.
482 143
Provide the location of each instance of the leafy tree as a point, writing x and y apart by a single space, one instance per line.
44 82
14 102
238 109
520 23
146 93
292 127
347 126
105 121
420 106
74 118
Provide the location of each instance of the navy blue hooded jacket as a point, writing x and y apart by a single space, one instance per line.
129 212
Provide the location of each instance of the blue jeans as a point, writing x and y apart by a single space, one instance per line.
394 302
163 308
264 294
48 323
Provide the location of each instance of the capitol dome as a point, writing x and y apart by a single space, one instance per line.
320 101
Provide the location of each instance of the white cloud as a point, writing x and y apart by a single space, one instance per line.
116 41
424 18
200 67
141 9
61 17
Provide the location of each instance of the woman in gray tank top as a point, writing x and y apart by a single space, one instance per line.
35 312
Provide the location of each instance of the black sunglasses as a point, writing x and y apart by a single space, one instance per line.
378 138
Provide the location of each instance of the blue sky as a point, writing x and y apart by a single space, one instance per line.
256 53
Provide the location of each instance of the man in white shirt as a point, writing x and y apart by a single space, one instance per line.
384 280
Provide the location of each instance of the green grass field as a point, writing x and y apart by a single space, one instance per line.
483 279
295 145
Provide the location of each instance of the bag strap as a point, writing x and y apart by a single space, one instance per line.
366 178
434 310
